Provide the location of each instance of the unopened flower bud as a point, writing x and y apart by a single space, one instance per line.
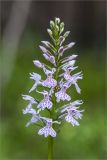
38 63
49 31
70 45
61 27
57 20
43 49
61 40
52 24
57 28
61 49
46 43
66 34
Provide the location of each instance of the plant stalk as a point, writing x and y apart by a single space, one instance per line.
50 148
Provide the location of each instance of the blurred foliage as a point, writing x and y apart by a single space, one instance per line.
84 142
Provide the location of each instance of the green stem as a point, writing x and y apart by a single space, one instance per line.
50 148
50 139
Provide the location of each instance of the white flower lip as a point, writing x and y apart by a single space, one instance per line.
48 130
62 95
49 82
45 103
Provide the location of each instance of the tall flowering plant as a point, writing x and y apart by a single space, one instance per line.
59 78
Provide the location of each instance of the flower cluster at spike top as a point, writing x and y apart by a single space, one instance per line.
59 78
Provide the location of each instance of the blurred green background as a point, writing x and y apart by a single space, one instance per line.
23 26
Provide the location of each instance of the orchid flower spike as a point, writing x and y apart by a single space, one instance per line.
58 70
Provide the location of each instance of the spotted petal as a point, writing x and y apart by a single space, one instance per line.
71 120
35 118
46 131
45 104
61 95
